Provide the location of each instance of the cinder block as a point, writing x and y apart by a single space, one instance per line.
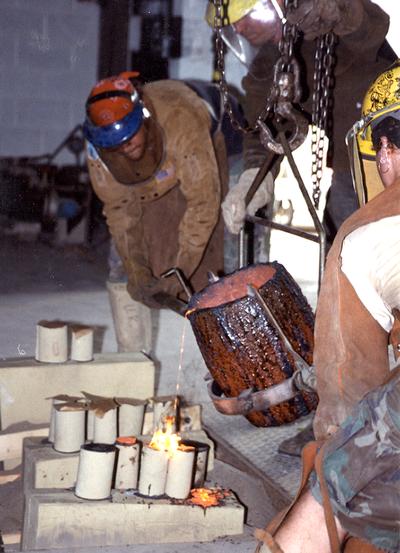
44 467
61 520
25 383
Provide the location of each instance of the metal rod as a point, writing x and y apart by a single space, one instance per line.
269 160
299 361
311 209
253 292
182 280
242 248
283 228
263 170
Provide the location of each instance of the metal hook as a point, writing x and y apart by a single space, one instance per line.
285 111
288 91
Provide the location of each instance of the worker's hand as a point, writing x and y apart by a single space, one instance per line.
146 290
318 17
233 207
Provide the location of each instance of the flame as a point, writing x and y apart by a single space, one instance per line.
205 497
164 439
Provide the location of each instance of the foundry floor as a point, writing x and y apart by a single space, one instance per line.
41 281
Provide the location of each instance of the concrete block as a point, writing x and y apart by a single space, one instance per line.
25 383
11 442
44 467
61 520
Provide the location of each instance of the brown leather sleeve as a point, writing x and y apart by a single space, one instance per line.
367 34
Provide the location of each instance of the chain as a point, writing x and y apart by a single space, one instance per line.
321 110
284 63
220 20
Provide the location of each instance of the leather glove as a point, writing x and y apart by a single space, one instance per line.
146 290
318 17
233 206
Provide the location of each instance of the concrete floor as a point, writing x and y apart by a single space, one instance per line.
40 281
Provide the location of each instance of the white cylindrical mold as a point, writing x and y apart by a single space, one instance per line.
105 427
128 461
153 471
130 418
95 471
163 407
53 418
180 473
81 343
51 342
202 451
69 429
90 425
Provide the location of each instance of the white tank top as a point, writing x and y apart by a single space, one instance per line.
371 262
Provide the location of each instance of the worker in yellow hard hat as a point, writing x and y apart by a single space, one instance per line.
361 53
381 99
248 24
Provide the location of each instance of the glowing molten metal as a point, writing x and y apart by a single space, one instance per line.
206 497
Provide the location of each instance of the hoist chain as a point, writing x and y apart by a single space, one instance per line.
321 108
283 65
286 90
220 20
285 62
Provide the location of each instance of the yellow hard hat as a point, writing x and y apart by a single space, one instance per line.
382 98
236 9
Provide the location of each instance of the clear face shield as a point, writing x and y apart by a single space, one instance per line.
366 180
262 24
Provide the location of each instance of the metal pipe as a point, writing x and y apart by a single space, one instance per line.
263 170
298 360
311 209
283 228
242 249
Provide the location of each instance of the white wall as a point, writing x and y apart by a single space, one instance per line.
48 62
392 8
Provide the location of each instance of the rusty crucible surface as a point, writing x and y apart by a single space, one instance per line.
240 347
